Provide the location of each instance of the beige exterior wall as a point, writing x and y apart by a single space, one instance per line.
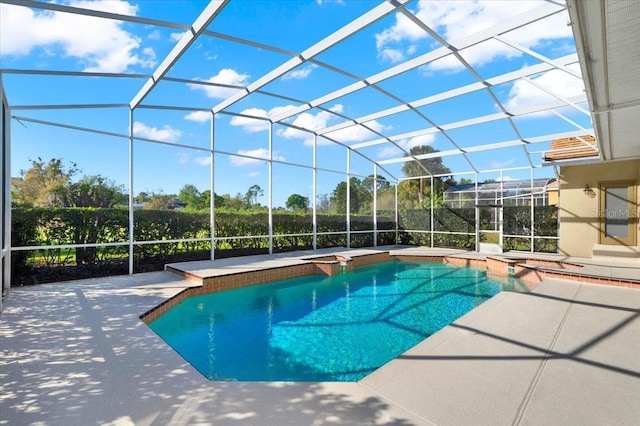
579 220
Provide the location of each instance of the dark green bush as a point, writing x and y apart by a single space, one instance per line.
517 221
445 220
237 234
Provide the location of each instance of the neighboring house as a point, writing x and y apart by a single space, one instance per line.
177 204
541 192
173 204
552 189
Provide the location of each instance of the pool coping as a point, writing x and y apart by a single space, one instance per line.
532 270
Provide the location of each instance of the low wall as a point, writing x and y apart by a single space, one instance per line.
531 271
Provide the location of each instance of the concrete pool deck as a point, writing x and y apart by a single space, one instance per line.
76 353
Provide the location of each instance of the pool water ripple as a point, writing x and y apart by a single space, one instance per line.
317 328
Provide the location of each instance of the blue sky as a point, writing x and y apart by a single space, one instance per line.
50 40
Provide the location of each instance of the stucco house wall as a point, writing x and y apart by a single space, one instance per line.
579 211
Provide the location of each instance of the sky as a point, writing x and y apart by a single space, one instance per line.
36 39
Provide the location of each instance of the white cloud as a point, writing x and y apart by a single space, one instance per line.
198 116
300 73
251 125
502 164
202 161
310 121
524 94
176 36
391 55
275 111
357 133
391 151
321 120
166 134
154 35
455 20
98 44
183 158
149 53
261 154
225 76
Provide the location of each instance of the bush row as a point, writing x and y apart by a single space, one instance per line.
62 226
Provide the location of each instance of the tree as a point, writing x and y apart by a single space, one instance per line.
339 198
323 203
386 198
236 202
43 183
205 199
195 200
142 197
297 202
252 194
433 166
381 183
407 195
160 202
360 197
385 192
217 199
93 191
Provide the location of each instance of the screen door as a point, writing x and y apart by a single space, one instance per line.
618 213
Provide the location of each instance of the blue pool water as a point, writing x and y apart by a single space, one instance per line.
318 328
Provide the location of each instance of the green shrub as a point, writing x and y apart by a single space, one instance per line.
237 234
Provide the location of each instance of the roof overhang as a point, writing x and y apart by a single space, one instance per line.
608 45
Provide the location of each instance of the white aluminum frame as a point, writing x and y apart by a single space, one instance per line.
5 194
296 59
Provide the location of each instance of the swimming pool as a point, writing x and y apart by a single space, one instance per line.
319 328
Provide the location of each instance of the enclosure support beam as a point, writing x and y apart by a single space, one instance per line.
348 30
314 192
532 213
431 227
501 214
131 196
375 205
477 216
200 25
270 190
396 215
348 203
5 203
212 187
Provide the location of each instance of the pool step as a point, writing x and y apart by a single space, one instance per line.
613 251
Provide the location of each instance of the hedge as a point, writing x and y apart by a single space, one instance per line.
291 231
61 226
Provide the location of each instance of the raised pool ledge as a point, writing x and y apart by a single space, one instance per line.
212 280
225 274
